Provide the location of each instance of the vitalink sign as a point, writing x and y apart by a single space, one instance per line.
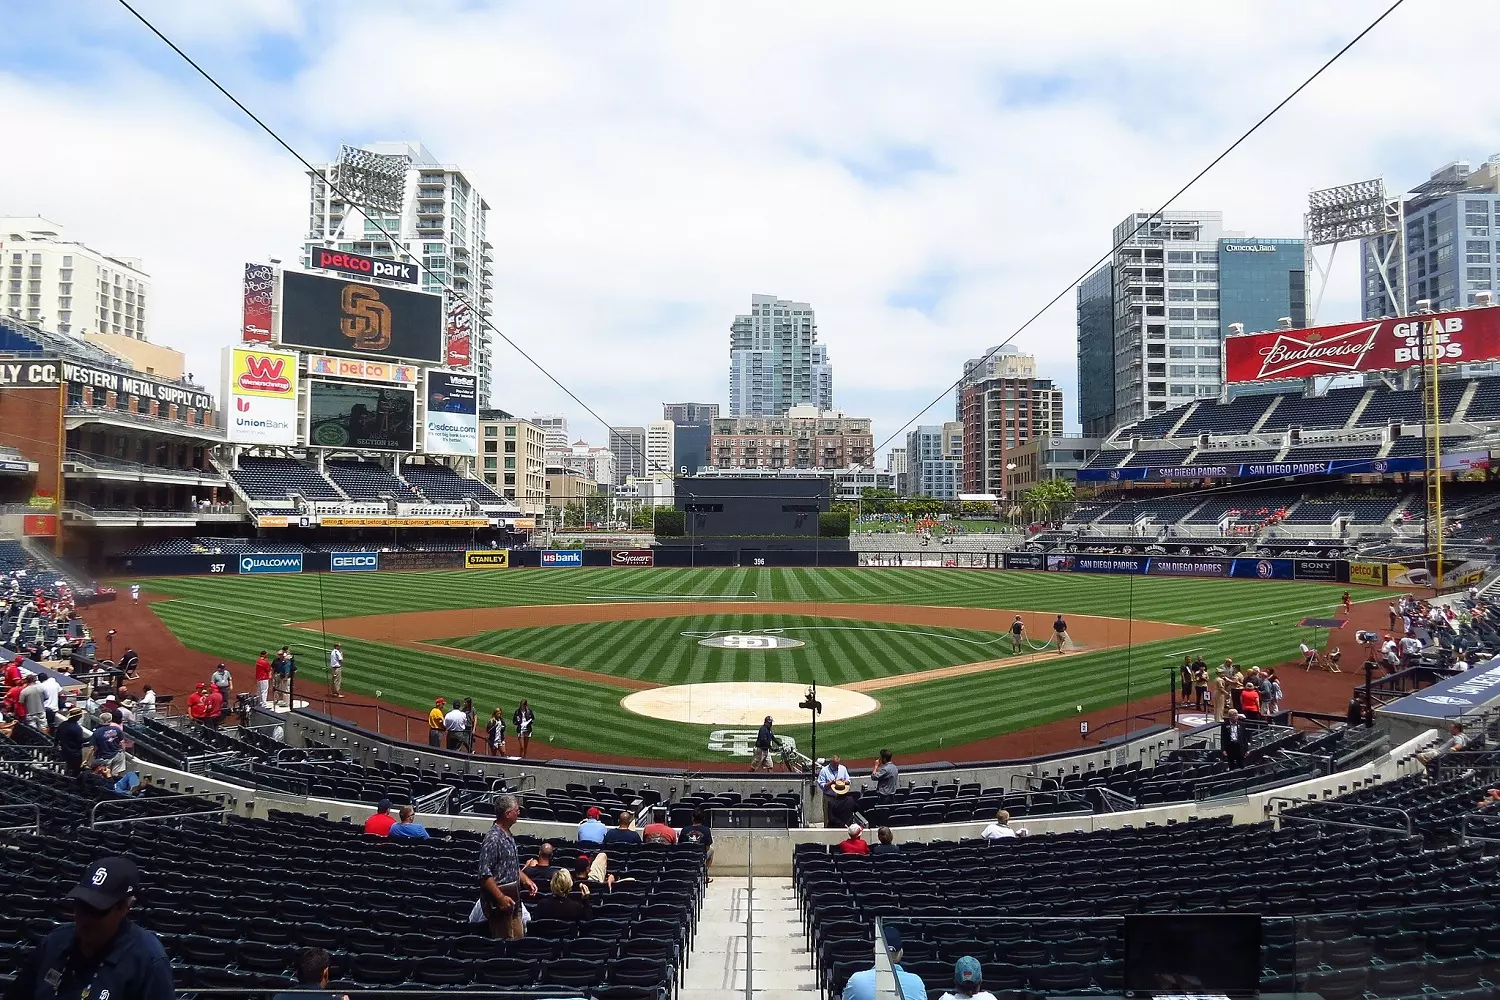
354 562
288 563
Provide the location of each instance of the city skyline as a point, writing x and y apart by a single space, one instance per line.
878 210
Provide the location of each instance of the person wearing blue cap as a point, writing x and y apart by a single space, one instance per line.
968 981
861 985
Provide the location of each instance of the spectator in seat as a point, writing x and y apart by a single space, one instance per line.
106 739
840 803
408 828
70 742
593 870
861 985
435 725
263 680
592 829
886 774
699 832
559 905
887 843
1456 741
540 869
380 822
146 707
622 833
657 832
313 967
1234 739
102 953
968 981
1000 829
855 842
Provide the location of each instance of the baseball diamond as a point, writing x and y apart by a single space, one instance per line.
921 641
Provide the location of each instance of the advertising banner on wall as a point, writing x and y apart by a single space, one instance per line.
354 562
459 333
1464 335
1325 570
452 422
1367 574
562 557
1024 560
30 374
1452 696
487 559
632 557
1456 461
362 417
373 371
260 396
260 280
1258 569
282 563
39 525
332 314
357 264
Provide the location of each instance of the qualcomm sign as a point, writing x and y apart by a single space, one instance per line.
290 563
354 562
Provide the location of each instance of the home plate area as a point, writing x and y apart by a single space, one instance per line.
743 703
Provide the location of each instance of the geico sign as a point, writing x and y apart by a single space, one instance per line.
354 562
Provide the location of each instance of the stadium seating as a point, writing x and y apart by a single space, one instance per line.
1329 411
368 481
1162 458
1486 402
1228 456
278 478
1406 405
441 484
1343 453
1237 416
1158 425
1107 458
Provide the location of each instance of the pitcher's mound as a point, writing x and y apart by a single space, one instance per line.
745 703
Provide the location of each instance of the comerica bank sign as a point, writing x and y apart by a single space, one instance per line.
1248 247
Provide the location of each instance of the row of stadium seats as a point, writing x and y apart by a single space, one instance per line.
1252 507
275 479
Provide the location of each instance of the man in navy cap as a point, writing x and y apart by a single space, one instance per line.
861 985
103 954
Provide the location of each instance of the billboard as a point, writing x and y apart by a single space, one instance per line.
30 375
487 559
374 371
459 333
354 562
39 525
146 387
260 396
1024 560
1451 696
332 314
1457 461
255 325
632 557
362 417
357 264
1367 574
451 426
1464 335
562 557
282 563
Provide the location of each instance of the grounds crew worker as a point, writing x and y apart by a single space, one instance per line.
103 954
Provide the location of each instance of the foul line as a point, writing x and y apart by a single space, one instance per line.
671 597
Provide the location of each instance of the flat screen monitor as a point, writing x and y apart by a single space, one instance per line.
1192 953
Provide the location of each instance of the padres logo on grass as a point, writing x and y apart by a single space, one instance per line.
751 642
487 559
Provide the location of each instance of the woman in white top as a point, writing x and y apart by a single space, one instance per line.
968 982
146 706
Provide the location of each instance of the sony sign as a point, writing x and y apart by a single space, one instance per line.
345 262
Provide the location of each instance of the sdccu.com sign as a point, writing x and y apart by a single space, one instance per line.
284 563
354 562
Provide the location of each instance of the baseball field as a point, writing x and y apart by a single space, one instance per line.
926 652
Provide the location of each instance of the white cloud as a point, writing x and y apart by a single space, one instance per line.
648 168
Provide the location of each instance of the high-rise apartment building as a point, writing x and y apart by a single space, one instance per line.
441 224
629 447
512 459
801 438
934 467
691 447
661 448
1452 241
997 362
60 284
594 463
1000 415
1166 326
555 427
895 464
689 413
775 360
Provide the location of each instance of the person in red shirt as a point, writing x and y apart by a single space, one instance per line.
380 823
855 842
12 703
13 673
195 704
213 706
658 833
262 679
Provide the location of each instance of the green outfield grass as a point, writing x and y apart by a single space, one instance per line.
235 617
838 651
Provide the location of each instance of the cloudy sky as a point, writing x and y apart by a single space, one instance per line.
926 175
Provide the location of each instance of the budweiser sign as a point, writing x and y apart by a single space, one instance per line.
1382 345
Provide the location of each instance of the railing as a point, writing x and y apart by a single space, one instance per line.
95 822
35 826
163 424
1282 817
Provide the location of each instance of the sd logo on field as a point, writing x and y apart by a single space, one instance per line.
756 642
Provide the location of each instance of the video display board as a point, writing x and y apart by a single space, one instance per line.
333 314
452 422
364 417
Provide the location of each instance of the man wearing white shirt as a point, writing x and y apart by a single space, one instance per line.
1000 829
1411 646
51 690
456 722
336 671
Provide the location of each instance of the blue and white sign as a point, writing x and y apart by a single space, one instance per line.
562 557
1461 694
354 562
289 562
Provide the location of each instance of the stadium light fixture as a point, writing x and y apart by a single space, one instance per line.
1358 211
376 182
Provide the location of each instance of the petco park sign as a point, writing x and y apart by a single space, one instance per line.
1383 345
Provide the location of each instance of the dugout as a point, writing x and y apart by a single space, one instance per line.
765 507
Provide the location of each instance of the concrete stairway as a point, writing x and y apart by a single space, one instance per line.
782 965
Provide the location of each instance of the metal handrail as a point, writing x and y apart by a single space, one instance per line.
1464 834
1283 817
35 826
95 821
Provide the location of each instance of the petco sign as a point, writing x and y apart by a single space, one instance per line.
1465 335
354 562
290 563
562 557
632 557
365 267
